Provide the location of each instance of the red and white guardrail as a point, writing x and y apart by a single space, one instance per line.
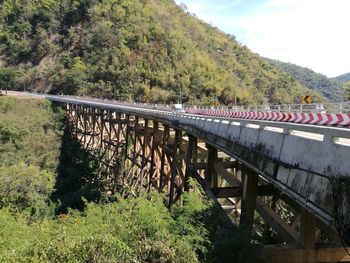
325 119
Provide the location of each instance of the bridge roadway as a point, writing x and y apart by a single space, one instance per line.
301 161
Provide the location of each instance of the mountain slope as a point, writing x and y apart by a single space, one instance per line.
145 50
330 88
343 78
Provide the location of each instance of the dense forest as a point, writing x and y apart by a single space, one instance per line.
144 50
51 209
328 87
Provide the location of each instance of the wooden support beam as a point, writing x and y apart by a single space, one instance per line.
210 173
286 254
228 164
220 169
198 166
189 157
176 144
307 229
228 208
162 164
248 203
225 192
330 231
153 149
237 191
285 231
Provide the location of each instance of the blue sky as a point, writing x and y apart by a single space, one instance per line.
309 33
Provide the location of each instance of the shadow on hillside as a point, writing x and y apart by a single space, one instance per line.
76 175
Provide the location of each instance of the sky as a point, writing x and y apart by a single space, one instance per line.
310 33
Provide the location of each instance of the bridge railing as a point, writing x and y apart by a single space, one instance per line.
339 107
281 127
313 114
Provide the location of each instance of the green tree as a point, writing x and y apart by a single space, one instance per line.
7 76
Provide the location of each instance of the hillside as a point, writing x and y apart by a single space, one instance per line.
144 50
329 88
343 78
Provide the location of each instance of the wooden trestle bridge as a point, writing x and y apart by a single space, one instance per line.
244 165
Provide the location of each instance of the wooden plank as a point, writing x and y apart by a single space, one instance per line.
228 208
226 165
236 191
226 175
225 192
176 143
329 230
198 166
285 231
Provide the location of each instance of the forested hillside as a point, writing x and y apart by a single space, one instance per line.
330 88
144 50
343 78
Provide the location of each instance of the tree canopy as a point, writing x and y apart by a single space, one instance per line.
143 50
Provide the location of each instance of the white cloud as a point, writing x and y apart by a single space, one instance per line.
310 33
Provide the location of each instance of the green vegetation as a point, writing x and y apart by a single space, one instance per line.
329 88
343 78
44 172
347 91
29 133
132 230
144 50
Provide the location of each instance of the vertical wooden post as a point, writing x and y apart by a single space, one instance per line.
144 162
164 142
189 157
143 149
127 129
76 120
307 229
210 173
250 184
102 127
85 114
93 127
152 165
176 144
110 120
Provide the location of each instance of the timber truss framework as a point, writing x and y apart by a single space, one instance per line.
136 153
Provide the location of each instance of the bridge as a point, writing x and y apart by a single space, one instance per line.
244 161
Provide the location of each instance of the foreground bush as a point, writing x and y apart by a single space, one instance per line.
133 230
